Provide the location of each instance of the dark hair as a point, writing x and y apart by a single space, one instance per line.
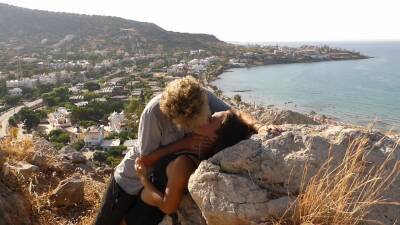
234 128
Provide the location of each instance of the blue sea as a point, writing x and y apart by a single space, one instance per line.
356 91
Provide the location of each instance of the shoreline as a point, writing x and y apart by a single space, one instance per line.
321 118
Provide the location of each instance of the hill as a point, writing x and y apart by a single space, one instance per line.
75 31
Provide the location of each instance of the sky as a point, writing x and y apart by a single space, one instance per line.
250 20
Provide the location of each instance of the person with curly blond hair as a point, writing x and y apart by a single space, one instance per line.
166 127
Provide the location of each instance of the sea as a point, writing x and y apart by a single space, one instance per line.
363 92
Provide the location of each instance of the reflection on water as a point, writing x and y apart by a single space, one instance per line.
358 91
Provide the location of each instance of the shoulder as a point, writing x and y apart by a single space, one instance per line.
181 165
153 107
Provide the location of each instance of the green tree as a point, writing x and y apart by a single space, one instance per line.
92 86
12 100
78 145
59 136
3 88
29 117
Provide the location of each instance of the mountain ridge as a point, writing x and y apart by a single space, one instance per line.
33 26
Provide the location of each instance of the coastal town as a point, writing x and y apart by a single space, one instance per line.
93 100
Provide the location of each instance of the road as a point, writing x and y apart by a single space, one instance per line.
6 116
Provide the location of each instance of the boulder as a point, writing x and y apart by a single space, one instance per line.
69 192
14 209
69 153
250 182
279 117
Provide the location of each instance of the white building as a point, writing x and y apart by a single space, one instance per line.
108 144
117 121
25 82
15 92
94 136
60 118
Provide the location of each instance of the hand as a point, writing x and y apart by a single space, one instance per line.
199 144
141 170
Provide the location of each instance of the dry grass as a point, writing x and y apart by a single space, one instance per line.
37 188
344 194
18 149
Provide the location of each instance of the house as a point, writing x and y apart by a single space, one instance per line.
81 104
117 121
60 118
108 144
15 92
94 136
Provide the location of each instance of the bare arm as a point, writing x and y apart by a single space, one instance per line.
178 173
193 143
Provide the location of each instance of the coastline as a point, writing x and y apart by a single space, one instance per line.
319 118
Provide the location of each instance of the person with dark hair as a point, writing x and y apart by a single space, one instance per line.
166 127
165 187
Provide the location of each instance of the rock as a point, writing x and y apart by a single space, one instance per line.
69 192
279 117
39 159
14 209
67 149
249 183
188 214
69 153
20 168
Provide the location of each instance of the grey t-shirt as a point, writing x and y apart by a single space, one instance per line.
155 130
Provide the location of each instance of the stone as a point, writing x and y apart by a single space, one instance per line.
68 193
69 153
250 182
14 209
20 168
279 117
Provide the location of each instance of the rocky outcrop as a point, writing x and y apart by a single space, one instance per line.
14 209
69 192
279 117
71 154
250 183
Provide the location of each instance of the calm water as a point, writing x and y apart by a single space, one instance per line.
357 91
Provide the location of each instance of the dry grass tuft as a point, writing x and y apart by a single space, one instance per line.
344 194
14 148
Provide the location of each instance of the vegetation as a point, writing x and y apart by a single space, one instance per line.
95 111
78 145
58 96
12 100
59 138
29 117
92 86
344 194
114 155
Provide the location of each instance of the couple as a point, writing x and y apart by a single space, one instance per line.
176 132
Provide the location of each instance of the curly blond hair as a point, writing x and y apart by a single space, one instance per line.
185 102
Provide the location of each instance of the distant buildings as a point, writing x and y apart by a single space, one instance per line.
60 118
15 92
94 136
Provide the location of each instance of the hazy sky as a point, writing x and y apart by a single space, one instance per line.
250 20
